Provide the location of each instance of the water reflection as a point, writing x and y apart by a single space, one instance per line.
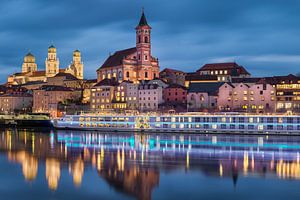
132 163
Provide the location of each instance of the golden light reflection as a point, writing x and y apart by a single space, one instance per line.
29 164
221 170
187 159
52 172
245 163
78 171
288 169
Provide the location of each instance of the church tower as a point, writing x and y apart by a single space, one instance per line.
143 41
52 62
29 64
76 67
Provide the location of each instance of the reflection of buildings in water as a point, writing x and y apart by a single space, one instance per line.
52 172
29 163
77 169
288 169
131 162
134 181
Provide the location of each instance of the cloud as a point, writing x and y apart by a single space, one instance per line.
258 34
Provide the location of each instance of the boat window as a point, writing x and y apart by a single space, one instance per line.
270 127
279 127
250 127
289 127
289 120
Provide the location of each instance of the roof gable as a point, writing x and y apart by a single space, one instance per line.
210 88
117 58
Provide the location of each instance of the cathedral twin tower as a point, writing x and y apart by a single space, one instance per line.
52 64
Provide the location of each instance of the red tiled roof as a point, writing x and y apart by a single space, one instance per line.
279 79
16 95
169 70
68 76
174 85
55 88
117 58
107 82
224 66
38 73
197 76
20 73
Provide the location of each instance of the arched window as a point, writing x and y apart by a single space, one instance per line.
146 74
139 39
127 74
120 74
146 39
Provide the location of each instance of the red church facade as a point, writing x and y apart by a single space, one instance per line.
133 64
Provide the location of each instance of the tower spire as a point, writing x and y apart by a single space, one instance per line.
143 20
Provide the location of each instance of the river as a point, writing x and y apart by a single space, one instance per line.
48 164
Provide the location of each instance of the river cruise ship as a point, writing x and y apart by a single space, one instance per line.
185 122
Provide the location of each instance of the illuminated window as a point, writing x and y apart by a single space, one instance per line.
250 119
260 127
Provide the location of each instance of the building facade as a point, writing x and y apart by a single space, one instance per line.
257 97
150 97
102 95
133 64
224 71
47 98
175 94
15 103
172 76
203 96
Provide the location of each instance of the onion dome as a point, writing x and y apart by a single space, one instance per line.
76 53
52 49
29 58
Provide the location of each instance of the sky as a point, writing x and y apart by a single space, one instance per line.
261 35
